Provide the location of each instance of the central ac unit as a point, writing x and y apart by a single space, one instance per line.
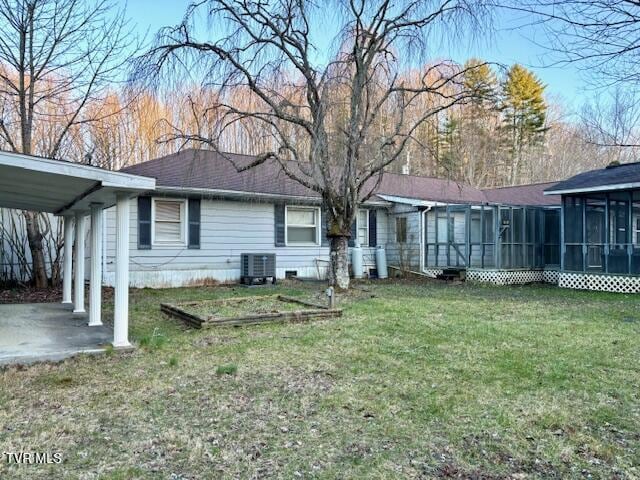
257 266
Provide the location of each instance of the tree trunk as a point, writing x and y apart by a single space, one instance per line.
34 236
339 268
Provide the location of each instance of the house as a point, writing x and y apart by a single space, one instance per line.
203 214
600 229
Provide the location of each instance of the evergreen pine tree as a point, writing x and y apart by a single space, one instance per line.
524 114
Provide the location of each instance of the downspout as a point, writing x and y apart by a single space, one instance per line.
423 252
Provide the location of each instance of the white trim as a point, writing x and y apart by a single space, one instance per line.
318 226
414 202
599 188
108 178
366 244
243 195
183 222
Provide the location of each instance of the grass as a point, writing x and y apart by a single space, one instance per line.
414 381
251 305
227 369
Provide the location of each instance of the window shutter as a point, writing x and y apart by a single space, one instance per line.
354 234
194 223
373 228
144 223
324 227
279 214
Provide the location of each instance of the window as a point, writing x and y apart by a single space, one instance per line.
363 227
168 222
302 226
637 230
401 229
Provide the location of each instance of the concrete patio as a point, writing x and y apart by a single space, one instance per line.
36 332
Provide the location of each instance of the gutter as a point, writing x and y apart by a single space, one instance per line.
244 195
600 188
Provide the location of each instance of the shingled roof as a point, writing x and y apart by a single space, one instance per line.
613 177
210 170
532 194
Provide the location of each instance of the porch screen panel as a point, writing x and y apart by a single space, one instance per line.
551 237
457 236
475 237
530 257
573 234
506 237
595 239
517 246
489 237
442 235
619 234
635 231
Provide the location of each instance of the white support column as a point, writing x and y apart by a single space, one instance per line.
79 273
121 307
95 287
67 271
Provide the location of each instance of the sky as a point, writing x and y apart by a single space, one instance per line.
510 43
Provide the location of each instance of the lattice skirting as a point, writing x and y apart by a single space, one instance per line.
550 276
433 272
505 277
604 283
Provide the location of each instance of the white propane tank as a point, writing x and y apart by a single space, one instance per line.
356 260
381 262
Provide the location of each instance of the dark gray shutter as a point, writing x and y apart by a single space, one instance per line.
279 224
144 223
373 228
324 227
354 234
194 223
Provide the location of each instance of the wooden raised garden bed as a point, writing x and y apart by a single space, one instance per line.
241 311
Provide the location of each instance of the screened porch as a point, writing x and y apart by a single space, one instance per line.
491 237
601 232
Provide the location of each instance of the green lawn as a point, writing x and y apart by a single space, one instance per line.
414 381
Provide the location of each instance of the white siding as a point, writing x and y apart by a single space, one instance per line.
228 228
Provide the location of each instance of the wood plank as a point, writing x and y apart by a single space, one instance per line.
191 319
285 298
211 321
301 315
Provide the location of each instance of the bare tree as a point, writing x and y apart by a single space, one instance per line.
614 122
338 121
56 57
600 37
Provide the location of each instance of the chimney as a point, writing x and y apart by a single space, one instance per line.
406 167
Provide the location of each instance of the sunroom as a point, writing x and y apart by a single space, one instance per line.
500 244
600 229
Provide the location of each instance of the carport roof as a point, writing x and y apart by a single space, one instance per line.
56 186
